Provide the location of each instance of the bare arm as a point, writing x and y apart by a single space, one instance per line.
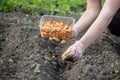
93 9
109 9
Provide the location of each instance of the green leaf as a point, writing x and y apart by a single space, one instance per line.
116 72
33 65
1 2
37 69
47 57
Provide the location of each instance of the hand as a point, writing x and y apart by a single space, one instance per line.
74 52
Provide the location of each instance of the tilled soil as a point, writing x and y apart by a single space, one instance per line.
24 55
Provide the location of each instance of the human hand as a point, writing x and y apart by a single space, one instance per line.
74 52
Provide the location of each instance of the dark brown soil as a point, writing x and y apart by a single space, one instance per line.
24 55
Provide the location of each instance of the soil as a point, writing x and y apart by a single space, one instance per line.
24 55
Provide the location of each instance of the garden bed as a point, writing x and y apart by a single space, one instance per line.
24 55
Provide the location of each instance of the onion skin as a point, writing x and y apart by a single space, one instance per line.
55 31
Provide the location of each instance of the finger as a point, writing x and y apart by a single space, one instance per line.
65 54
68 51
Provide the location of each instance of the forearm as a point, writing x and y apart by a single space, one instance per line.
94 31
109 10
93 10
85 20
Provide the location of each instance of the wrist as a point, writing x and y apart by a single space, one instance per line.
81 45
74 32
